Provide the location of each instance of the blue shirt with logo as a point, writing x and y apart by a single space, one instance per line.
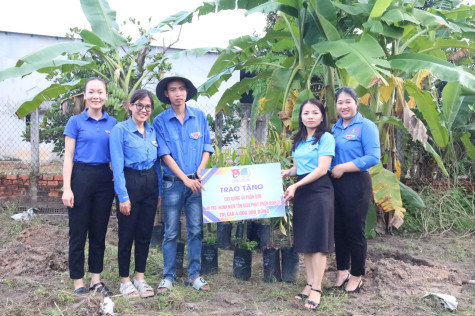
358 142
306 154
92 137
130 149
186 142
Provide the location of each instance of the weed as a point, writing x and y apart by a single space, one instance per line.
446 212
8 282
42 291
65 298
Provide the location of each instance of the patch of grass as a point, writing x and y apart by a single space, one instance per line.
42 291
456 252
447 212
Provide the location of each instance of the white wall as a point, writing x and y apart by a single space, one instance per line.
15 91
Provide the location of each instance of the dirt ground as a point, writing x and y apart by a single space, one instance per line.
34 279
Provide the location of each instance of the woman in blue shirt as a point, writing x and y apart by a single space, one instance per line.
313 150
88 188
134 162
357 150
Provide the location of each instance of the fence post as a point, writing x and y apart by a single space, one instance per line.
35 156
218 128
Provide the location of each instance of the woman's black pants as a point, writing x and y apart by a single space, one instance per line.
93 191
142 187
353 193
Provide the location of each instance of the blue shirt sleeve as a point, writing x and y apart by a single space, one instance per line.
158 169
118 162
207 139
327 145
162 144
71 128
371 147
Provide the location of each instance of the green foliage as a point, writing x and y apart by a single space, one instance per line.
248 245
124 73
448 211
371 221
371 46
104 52
230 128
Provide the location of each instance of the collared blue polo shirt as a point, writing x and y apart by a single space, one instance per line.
92 137
186 142
306 154
129 149
358 142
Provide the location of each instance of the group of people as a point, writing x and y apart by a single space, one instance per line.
178 140
332 193
159 164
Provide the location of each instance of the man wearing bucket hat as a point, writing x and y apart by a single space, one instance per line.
184 147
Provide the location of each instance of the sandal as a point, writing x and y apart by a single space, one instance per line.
197 284
101 288
145 290
81 291
358 288
339 287
312 303
164 284
302 296
128 289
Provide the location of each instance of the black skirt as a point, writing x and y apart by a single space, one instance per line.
313 216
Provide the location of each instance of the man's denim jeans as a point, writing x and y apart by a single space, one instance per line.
175 195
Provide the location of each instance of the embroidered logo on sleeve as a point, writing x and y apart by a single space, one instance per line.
154 142
107 132
195 135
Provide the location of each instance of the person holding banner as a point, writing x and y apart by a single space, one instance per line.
357 150
313 150
137 180
184 147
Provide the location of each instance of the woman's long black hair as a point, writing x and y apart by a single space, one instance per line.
301 134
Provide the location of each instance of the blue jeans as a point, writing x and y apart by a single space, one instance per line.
175 195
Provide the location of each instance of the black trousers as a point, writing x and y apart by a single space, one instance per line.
353 193
142 187
93 191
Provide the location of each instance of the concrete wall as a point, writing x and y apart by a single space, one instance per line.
15 91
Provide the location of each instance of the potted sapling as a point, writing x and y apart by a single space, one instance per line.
271 261
209 252
242 260
290 259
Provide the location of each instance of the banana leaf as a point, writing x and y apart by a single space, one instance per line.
451 102
410 196
442 69
371 221
47 94
103 21
45 67
387 192
361 59
428 107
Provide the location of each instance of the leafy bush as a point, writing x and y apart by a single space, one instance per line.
449 211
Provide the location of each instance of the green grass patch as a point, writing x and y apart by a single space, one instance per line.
450 211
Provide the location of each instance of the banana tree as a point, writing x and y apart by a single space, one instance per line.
372 46
100 52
